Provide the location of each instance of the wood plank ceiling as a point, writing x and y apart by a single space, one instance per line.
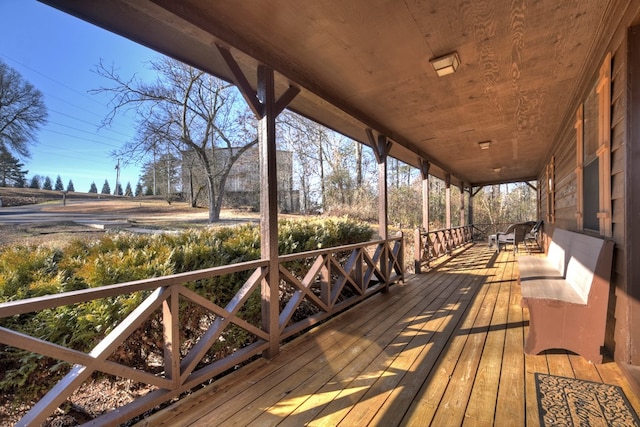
365 64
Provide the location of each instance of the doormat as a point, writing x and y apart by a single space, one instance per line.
571 402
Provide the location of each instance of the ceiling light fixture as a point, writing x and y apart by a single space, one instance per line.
447 64
484 145
497 170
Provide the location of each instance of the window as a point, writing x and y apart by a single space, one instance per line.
593 156
551 191
590 196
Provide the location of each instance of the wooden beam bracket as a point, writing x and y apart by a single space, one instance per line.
285 99
240 80
250 95
381 147
473 193
424 168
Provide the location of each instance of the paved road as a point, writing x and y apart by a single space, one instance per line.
35 213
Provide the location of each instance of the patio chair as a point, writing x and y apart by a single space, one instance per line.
532 236
514 235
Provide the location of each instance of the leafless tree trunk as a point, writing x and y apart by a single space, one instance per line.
358 164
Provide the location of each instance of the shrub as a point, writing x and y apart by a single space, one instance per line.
26 272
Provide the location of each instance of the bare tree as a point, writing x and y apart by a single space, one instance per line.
22 111
303 138
358 164
190 111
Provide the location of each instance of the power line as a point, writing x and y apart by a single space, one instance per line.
85 110
89 123
86 131
51 79
83 95
81 138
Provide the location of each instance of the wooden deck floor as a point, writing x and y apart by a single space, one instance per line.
443 349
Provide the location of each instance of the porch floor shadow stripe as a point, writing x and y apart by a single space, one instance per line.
349 363
379 379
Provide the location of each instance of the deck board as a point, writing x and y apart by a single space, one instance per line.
480 409
510 406
444 348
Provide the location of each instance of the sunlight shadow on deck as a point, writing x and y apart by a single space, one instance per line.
387 361
443 348
407 350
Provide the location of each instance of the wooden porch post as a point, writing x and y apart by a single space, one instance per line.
269 207
447 201
424 172
266 108
462 222
418 247
381 147
470 208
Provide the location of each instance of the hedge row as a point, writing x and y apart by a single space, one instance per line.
27 271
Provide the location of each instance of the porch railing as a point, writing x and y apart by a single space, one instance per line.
431 245
313 286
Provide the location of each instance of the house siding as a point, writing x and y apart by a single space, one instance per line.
620 334
629 312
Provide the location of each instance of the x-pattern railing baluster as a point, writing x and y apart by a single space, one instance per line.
434 244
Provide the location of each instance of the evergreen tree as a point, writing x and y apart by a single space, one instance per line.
106 189
93 188
35 182
11 172
148 191
59 185
70 188
127 191
118 190
139 190
20 182
47 184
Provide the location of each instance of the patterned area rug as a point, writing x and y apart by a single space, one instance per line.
570 402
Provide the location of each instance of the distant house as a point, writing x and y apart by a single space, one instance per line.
242 186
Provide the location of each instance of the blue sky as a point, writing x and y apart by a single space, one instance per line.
57 53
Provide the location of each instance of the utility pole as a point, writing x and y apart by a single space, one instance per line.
168 172
117 177
154 170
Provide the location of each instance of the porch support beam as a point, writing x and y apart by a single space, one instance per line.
266 108
241 82
424 172
447 200
462 222
381 147
269 207
285 99
470 208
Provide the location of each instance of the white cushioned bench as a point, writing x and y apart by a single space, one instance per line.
567 293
